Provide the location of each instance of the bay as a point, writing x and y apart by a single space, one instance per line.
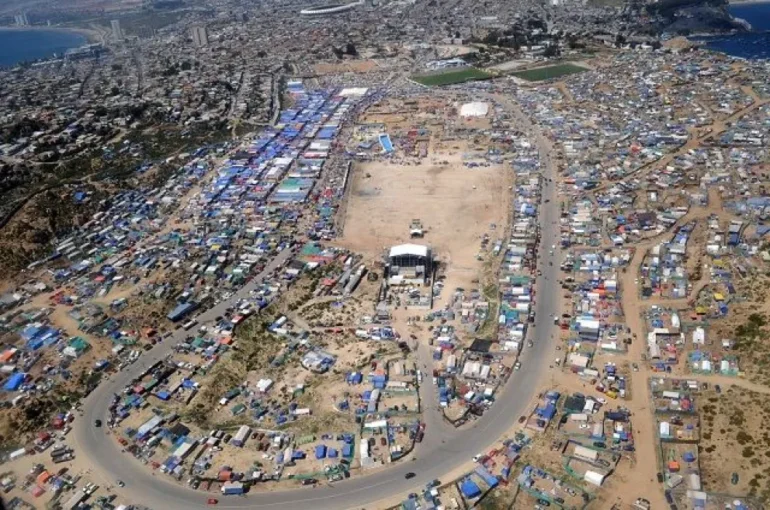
19 45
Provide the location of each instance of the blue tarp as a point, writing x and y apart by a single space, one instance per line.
470 489
485 475
320 451
14 382
547 412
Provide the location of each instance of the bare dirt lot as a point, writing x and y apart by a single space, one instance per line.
735 440
386 196
358 66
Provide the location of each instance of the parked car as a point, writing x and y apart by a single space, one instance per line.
409 475
212 501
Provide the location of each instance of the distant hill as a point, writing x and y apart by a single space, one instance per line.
693 16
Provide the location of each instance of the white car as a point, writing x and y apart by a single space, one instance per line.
601 400
476 458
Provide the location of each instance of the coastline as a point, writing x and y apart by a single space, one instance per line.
747 2
91 36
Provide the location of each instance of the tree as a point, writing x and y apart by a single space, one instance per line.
350 49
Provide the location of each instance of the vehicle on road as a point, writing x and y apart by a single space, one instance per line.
517 365
718 388
212 501
121 483
543 502
476 458
660 477
409 475
635 367
522 419
97 423
309 481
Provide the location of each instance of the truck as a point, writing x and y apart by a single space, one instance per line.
61 453
232 488
64 458
59 450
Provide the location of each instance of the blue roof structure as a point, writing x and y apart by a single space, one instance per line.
14 382
470 489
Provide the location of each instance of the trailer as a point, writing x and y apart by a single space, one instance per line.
64 458
232 488
241 436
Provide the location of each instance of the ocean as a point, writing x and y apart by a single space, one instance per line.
753 45
25 45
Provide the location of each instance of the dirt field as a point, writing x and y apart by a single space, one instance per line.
734 422
353 66
456 216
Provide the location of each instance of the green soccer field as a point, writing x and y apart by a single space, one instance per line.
452 76
546 73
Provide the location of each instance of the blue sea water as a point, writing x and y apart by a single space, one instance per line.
753 45
26 45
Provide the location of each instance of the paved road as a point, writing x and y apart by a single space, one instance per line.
436 456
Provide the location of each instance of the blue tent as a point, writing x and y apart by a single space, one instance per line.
470 489
320 451
14 382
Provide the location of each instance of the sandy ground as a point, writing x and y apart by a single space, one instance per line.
352 66
455 215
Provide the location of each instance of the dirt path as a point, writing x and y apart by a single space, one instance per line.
634 307
723 380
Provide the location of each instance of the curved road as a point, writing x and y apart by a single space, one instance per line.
440 452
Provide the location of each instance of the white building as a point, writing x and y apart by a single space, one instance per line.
117 33
200 36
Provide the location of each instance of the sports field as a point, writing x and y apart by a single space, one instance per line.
452 76
546 73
